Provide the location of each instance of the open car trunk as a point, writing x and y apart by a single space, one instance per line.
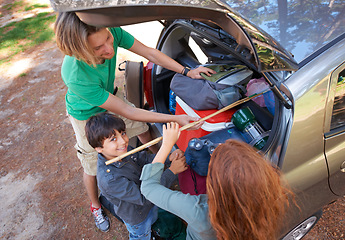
193 43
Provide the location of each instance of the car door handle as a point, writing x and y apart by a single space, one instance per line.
342 167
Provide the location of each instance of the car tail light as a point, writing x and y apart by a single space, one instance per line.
148 83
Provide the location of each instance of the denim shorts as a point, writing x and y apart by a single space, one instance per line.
142 231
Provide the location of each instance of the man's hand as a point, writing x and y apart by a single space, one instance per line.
195 73
185 119
178 164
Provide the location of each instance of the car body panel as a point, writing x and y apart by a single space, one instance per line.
335 140
307 167
267 54
335 152
313 177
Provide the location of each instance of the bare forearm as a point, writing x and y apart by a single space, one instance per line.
116 105
156 56
162 154
163 60
148 116
171 132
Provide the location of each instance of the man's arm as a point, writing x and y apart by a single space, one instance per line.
116 105
159 58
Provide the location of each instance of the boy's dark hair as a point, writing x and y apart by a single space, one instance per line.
102 126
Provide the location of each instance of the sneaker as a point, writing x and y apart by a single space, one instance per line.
101 220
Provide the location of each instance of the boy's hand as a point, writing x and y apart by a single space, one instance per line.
171 132
178 165
178 153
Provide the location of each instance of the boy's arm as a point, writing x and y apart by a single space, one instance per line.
144 157
178 161
124 190
178 165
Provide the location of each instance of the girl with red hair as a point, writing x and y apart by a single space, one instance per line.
245 196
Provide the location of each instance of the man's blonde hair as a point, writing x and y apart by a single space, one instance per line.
71 37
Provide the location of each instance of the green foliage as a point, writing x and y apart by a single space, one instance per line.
19 36
20 6
28 8
13 5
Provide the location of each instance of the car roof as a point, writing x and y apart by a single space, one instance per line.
301 27
264 52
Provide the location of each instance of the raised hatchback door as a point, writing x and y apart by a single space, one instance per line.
266 53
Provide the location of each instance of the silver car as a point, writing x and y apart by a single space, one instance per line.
305 72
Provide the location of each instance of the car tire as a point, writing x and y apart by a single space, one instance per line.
303 228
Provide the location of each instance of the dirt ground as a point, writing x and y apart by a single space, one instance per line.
41 188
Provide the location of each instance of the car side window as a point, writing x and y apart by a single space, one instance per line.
338 113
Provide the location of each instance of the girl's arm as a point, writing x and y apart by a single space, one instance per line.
171 132
182 205
159 195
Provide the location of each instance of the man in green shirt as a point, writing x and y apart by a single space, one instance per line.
88 71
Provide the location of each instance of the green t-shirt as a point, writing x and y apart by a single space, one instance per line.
88 86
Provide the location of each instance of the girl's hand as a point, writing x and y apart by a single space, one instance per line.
171 132
195 73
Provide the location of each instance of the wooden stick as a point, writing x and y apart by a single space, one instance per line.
189 125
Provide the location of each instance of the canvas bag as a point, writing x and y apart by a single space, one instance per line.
169 226
214 92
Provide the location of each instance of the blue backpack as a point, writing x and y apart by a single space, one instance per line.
199 150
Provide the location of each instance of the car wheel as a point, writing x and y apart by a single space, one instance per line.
303 228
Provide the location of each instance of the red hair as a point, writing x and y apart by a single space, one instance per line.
245 196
